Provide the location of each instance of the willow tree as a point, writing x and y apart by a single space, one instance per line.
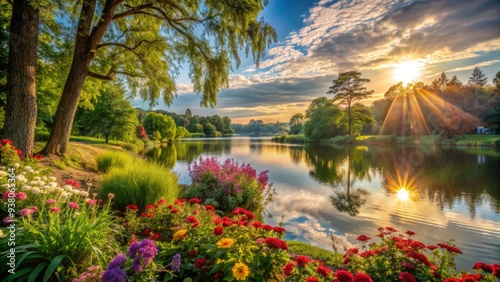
148 41
347 90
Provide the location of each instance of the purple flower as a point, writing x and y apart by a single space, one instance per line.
117 261
176 263
143 253
136 265
114 275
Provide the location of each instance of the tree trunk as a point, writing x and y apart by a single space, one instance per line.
21 110
107 138
85 47
349 119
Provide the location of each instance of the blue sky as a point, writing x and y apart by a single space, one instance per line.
319 39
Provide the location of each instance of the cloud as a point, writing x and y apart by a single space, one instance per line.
483 64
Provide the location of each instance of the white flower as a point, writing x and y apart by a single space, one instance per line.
3 173
68 187
44 178
75 192
36 178
59 189
65 195
27 167
26 188
41 183
37 172
84 193
52 178
53 184
6 185
45 187
16 165
35 190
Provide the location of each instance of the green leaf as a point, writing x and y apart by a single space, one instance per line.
36 271
19 274
52 267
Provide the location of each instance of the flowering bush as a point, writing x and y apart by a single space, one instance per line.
399 257
227 185
9 154
195 242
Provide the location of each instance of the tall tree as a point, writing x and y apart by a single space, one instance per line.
297 123
20 116
441 82
477 78
347 90
454 82
143 42
496 80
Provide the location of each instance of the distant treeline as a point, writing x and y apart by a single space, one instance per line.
259 128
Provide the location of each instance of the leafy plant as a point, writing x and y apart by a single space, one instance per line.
9 154
139 184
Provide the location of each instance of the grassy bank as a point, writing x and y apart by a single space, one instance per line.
489 140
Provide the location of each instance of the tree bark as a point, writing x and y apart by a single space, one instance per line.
85 47
21 109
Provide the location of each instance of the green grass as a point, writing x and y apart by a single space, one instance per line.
111 159
140 184
328 257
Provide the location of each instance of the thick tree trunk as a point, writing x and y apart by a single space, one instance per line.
21 110
85 47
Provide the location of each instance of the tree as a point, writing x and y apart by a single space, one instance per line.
4 55
324 119
210 130
164 32
297 123
496 80
477 78
441 82
21 109
161 123
348 89
141 132
454 82
361 116
113 116
188 113
181 132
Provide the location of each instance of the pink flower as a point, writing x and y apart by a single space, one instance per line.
55 209
26 211
91 202
21 196
73 205
51 202
8 220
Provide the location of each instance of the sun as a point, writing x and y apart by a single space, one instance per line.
403 194
407 72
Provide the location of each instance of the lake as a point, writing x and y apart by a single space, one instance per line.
345 191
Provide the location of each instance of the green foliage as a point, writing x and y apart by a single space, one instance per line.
328 257
181 132
297 123
285 138
324 120
112 117
163 124
113 159
9 154
140 184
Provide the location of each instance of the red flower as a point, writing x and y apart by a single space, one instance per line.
344 276
410 233
288 268
452 280
146 215
312 279
391 229
257 224
54 209
323 271
361 277
419 257
191 219
209 208
275 243
483 266
363 238
218 230
156 236
250 215
406 277
475 276
5 142
200 263
267 227
192 253
174 210
146 232
302 261
367 254
417 245
150 207
217 276
195 224
450 248
432 247
194 201
279 230
407 265
161 202
19 152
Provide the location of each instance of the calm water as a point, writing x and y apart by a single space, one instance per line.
347 191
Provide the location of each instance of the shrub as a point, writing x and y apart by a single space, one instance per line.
111 159
227 185
328 257
9 154
139 184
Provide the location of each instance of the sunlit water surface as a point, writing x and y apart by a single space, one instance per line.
323 190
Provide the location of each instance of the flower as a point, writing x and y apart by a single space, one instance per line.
200 263
240 271
450 248
343 276
209 208
302 261
287 269
51 202
26 211
8 220
312 279
363 238
179 234
132 207
55 209
111 196
410 233
361 277
194 201
91 202
323 271
73 205
275 243
118 261
21 196
483 266
175 265
174 211
114 275
225 243
406 277
218 230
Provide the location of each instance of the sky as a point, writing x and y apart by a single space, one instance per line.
318 39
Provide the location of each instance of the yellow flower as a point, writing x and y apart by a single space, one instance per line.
240 271
179 234
225 243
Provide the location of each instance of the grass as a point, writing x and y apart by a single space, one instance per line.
328 257
140 184
111 159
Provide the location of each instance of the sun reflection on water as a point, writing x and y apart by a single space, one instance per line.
403 194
